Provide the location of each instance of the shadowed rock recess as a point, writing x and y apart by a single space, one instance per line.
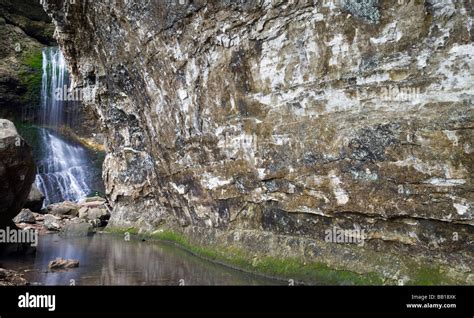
261 125
24 29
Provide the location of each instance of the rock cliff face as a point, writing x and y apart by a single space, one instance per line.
24 29
265 124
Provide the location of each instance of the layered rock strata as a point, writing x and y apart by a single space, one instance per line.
268 125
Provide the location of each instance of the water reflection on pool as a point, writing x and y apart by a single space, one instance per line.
110 260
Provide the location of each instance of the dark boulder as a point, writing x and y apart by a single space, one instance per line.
17 172
25 216
35 200
77 229
11 278
52 223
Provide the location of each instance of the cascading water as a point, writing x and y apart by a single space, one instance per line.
64 171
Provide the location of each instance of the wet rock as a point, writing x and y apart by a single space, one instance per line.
61 264
93 204
83 212
65 208
52 223
95 212
39 217
11 278
77 229
98 214
25 216
37 227
17 172
95 199
35 199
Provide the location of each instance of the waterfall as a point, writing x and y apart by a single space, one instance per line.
64 171
54 76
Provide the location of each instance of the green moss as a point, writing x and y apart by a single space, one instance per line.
428 276
283 268
28 132
32 82
31 76
34 60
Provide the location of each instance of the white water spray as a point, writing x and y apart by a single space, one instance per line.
64 171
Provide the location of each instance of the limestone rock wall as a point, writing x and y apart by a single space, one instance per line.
279 120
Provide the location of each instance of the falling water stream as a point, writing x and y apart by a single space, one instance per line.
64 171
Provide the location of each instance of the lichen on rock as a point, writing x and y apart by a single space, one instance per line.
366 9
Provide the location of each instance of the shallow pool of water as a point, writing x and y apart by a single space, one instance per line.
110 260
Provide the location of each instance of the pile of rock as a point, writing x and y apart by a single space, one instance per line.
11 278
95 210
72 219
28 220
